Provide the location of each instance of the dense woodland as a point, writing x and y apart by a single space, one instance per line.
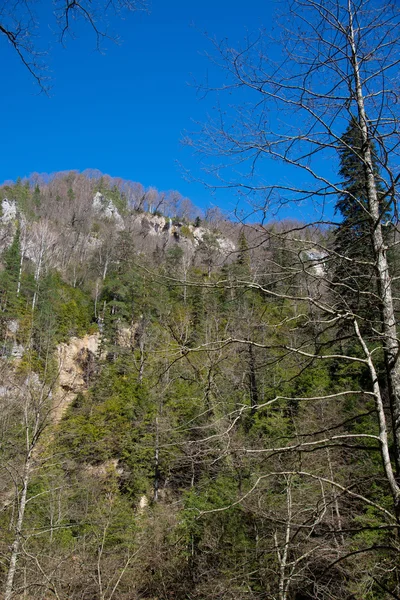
223 441
196 408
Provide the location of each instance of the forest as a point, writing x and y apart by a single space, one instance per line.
181 414
195 407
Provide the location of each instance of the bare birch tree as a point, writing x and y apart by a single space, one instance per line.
33 400
335 59
277 140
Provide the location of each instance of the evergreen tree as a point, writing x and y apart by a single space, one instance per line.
354 271
243 259
12 256
36 197
9 287
21 194
70 194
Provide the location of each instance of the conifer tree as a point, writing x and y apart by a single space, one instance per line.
36 197
354 271
12 255
9 281
243 260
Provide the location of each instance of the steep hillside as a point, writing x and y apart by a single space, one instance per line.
185 409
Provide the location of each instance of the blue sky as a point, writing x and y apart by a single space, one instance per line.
123 111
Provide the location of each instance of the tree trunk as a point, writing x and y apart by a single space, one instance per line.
390 340
18 531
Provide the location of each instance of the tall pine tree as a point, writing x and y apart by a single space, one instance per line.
354 279
9 288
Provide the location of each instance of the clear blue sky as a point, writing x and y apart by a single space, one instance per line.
124 111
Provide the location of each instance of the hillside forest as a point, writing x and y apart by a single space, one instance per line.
201 408
185 412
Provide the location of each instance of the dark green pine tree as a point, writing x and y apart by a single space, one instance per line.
9 278
21 194
36 197
354 279
243 263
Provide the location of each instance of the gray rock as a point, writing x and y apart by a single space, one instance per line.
9 211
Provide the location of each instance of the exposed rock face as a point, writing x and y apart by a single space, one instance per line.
76 359
46 246
71 357
17 350
8 223
126 336
155 225
106 208
225 245
9 211
104 470
12 326
143 504
189 237
317 261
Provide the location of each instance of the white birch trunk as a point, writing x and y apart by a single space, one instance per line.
391 343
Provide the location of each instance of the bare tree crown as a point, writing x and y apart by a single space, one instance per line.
21 26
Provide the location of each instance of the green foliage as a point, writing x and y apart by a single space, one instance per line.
353 204
174 256
243 260
115 420
197 387
354 273
68 311
186 232
9 278
114 194
36 198
20 192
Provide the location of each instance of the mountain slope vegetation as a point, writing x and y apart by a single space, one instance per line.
220 439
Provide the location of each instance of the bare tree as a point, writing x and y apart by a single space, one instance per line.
19 24
42 249
342 62
334 61
33 408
